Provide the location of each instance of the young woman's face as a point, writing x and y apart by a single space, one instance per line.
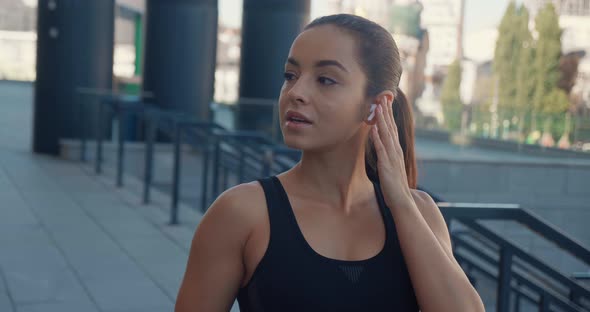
325 84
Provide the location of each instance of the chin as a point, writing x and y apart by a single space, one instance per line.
294 142
302 143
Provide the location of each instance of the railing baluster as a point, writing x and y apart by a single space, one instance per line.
225 177
82 128
241 164
504 278
517 298
99 129
149 158
268 159
120 146
216 154
176 176
205 176
544 303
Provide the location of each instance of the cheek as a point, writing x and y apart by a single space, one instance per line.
342 109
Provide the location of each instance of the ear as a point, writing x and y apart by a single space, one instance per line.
387 94
377 100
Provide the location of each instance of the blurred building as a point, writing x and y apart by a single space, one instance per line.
18 21
227 71
443 19
18 15
564 7
413 42
375 10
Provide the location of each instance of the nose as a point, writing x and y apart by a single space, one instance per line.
298 91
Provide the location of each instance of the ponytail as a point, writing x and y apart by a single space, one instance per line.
402 114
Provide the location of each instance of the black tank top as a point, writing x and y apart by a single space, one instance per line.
292 277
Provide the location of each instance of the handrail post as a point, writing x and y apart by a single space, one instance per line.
574 296
176 176
149 156
268 159
120 150
544 302
216 162
241 164
504 278
205 176
517 297
99 130
82 128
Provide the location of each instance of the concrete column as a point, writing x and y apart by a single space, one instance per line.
268 30
180 54
74 49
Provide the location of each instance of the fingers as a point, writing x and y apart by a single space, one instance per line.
378 144
383 128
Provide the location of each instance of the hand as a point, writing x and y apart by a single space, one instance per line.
390 158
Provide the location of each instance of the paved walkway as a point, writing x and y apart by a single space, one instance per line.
72 241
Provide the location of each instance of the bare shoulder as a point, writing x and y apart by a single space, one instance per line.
215 265
432 214
244 194
239 206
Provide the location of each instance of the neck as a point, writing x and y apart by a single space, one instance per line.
336 175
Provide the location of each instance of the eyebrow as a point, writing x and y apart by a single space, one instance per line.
321 63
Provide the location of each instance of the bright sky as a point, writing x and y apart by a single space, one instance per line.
481 22
481 18
479 14
483 14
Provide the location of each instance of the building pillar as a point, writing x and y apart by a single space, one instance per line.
180 54
268 30
74 49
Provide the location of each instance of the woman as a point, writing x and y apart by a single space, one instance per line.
344 229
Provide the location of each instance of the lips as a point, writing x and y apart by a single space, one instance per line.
297 117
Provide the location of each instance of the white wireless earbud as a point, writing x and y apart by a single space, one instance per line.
372 114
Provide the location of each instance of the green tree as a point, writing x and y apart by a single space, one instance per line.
506 56
547 55
513 65
450 98
555 106
556 102
525 71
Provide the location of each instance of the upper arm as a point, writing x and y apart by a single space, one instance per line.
215 268
435 220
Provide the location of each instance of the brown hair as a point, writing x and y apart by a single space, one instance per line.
380 60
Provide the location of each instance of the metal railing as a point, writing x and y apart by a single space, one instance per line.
232 157
518 272
248 155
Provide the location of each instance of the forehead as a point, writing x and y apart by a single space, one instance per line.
325 42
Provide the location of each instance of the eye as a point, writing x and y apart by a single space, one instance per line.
326 81
289 76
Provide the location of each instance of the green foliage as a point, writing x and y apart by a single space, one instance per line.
506 56
547 54
514 66
525 71
528 70
555 102
450 97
